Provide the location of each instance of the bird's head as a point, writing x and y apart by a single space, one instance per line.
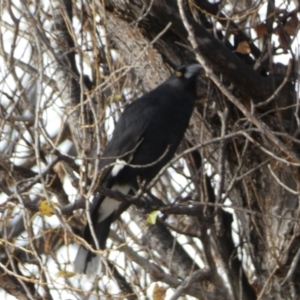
184 76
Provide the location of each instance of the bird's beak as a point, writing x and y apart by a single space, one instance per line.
192 70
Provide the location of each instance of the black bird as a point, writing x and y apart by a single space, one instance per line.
144 140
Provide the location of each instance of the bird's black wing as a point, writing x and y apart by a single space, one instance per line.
128 133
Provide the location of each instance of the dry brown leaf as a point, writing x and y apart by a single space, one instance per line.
291 26
159 292
59 169
261 30
283 38
243 47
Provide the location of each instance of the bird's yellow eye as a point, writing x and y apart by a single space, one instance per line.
179 74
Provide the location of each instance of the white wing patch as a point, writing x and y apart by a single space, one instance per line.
119 165
109 205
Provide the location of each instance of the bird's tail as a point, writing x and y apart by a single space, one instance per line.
86 261
103 213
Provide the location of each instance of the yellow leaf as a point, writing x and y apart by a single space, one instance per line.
45 209
159 292
65 274
117 97
151 218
